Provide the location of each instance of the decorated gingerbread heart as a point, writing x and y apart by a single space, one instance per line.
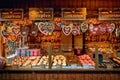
24 30
12 37
110 28
118 31
75 29
5 34
102 28
33 30
46 27
16 30
66 29
93 29
84 27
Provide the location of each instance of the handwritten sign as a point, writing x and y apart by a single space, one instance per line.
40 13
73 13
109 13
11 14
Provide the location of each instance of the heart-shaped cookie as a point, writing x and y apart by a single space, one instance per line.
12 37
111 28
46 27
84 27
75 30
16 30
93 29
66 29
5 34
33 30
102 28
117 32
24 30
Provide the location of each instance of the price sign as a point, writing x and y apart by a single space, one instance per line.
40 13
11 14
74 13
109 13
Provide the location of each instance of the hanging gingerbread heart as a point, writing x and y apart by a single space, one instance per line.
33 30
58 24
118 31
16 30
50 27
102 28
84 27
110 28
93 29
42 28
12 37
75 29
66 29
6 30
46 27
5 34
24 30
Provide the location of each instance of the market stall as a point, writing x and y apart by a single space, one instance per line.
40 44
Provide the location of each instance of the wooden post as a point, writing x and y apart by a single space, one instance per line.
96 56
1 45
73 46
50 53
83 46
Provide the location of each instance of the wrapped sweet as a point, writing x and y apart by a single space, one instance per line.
85 59
59 60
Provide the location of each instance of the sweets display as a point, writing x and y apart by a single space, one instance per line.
25 60
117 60
67 62
85 59
113 63
59 60
43 61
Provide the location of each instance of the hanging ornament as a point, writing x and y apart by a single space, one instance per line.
102 28
15 29
58 24
41 27
66 29
84 27
33 30
12 37
50 27
24 30
118 31
93 29
75 29
10 32
46 27
110 28
57 21
5 34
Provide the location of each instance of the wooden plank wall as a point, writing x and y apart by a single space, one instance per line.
59 76
89 4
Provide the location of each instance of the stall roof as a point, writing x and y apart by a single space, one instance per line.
89 4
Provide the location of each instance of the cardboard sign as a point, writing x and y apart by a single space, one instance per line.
109 13
74 13
11 14
40 13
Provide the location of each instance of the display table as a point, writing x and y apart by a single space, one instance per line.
60 74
